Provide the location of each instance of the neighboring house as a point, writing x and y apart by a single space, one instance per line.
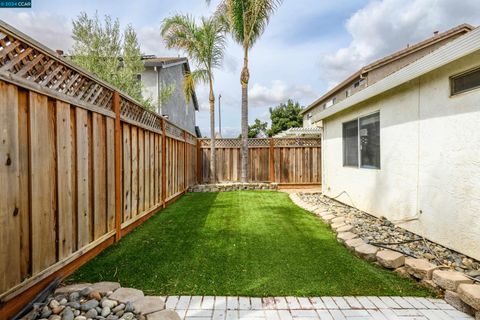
310 132
163 77
408 146
378 70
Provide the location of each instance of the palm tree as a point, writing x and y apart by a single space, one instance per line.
246 21
204 44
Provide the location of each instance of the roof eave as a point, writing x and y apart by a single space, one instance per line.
458 48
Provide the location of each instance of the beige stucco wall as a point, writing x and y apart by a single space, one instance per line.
430 160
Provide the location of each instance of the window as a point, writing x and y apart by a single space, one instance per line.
370 141
348 93
350 143
330 103
359 83
361 141
465 82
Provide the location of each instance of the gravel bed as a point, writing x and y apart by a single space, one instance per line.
384 233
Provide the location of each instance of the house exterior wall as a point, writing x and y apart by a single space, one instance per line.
376 75
430 149
178 110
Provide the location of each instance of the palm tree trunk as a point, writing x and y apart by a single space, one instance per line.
244 78
213 171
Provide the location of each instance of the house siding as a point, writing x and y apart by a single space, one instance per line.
430 150
178 110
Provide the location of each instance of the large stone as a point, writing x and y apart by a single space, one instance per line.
163 315
366 251
328 218
453 299
449 280
345 236
390 259
338 219
419 268
337 225
148 305
126 295
353 243
345 228
71 288
105 286
470 294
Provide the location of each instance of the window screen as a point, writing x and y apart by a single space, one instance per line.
465 82
350 143
370 141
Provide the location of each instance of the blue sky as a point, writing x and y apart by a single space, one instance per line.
309 46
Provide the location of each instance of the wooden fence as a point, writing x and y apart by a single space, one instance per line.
80 165
287 161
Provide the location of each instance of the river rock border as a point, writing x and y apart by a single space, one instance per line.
224 187
102 301
458 289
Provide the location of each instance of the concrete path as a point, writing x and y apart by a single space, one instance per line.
291 308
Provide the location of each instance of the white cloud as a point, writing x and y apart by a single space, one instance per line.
279 91
383 27
50 29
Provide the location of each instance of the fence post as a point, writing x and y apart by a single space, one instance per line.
185 161
199 161
164 164
118 156
272 160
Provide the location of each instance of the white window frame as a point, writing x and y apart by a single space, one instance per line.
359 150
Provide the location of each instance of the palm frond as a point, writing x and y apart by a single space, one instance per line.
191 79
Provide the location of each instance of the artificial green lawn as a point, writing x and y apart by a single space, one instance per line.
251 243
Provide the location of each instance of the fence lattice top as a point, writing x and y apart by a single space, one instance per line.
263 142
32 65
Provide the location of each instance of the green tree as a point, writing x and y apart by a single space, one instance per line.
257 129
246 21
285 116
204 44
102 49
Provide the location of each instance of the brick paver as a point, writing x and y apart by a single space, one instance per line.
314 308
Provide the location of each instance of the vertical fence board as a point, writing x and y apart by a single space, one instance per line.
151 159
141 170
127 173
24 185
146 152
84 222
9 188
42 173
99 176
134 171
64 180
110 171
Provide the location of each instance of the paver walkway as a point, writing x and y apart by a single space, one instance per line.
291 308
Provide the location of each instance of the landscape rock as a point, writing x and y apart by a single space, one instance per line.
86 291
419 268
449 280
126 295
367 252
71 288
109 303
68 314
345 228
105 287
148 304
470 294
402 272
105 311
90 304
379 230
390 259
338 220
345 236
95 295
328 218
453 299
337 225
92 313
163 315
353 243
